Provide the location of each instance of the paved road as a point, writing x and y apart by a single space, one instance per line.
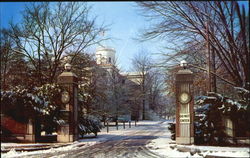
131 145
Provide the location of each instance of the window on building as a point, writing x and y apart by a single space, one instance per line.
109 59
123 81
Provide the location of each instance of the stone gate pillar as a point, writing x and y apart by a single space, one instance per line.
68 131
184 106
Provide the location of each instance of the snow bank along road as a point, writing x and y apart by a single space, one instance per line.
130 143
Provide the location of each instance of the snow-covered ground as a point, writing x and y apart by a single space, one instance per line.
102 136
162 145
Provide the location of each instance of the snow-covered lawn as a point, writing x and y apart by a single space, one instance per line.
164 146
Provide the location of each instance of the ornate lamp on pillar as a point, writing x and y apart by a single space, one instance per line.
184 106
68 131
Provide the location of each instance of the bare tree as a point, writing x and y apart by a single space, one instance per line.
13 65
142 65
156 88
6 56
226 32
50 30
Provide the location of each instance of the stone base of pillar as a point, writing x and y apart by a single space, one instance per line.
63 134
184 140
29 138
65 138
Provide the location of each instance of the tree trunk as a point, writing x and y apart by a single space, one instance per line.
143 109
214 88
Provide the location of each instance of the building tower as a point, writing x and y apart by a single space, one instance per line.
105 56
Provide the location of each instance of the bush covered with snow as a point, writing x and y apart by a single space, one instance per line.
20 104
89 124
51 94
211 112
38 104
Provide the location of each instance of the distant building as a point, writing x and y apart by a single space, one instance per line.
132 83
129 82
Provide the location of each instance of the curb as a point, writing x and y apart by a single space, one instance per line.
31 148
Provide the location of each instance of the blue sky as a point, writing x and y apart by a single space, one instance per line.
125 22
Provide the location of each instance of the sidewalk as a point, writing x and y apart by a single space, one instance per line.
6 147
